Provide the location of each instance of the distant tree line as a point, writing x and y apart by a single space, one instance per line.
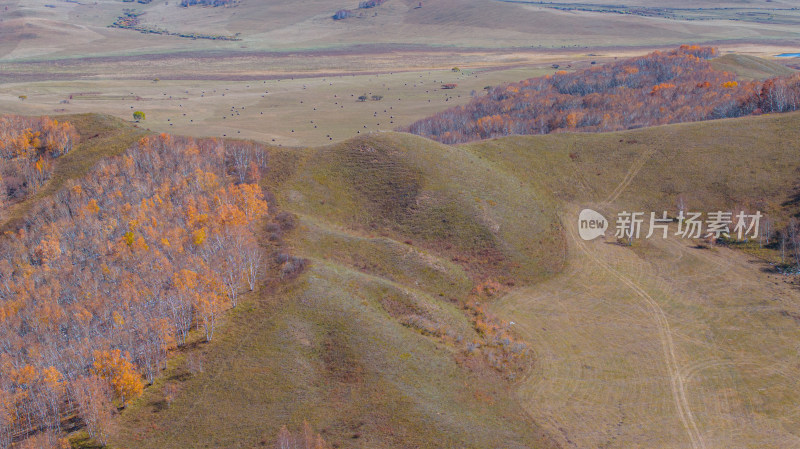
370 4
345 13
660 88
187 3
130 21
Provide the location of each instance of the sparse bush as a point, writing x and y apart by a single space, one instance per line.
286 221
342 14
496 342
290 266
170 391
424 325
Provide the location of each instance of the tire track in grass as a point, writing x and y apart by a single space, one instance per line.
636 167
665 335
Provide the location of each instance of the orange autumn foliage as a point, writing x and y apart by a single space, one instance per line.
28 147
111 272
660 88
120 374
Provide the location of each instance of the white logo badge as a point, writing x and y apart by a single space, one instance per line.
591 224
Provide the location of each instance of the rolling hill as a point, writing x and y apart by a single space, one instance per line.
658 344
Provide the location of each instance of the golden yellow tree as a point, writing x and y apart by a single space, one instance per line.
120 374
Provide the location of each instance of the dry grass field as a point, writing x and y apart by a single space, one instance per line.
54 29
293 64
664 345
301 111
290 102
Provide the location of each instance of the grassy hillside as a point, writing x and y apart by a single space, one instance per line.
397 228
749 162
442 198
368 344
661 344
750 67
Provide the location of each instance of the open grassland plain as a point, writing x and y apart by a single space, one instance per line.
288 111
659 344
291 73
292 101
48 29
